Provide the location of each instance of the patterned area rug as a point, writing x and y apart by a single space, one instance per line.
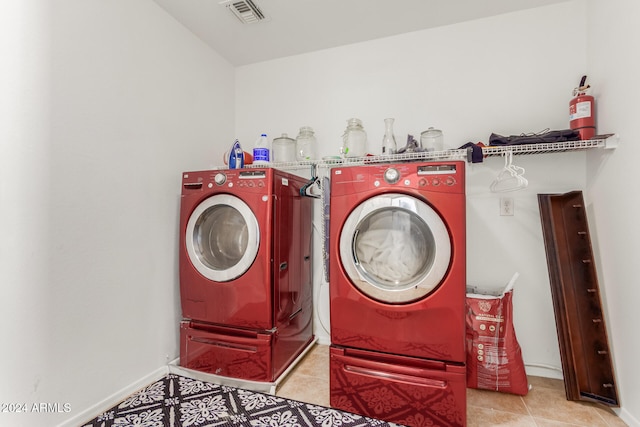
177 401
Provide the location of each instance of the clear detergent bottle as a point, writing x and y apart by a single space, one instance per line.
261 151
305 144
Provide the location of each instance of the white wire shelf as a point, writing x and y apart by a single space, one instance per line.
462 154
609 142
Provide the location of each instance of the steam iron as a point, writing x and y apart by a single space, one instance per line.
236 156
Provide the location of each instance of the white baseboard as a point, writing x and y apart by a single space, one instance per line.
91 412
629 419
324 340
117 397
174 367
545 371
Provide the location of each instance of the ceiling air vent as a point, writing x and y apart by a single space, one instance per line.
245 10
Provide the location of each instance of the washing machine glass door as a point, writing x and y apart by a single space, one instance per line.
395 248
222 237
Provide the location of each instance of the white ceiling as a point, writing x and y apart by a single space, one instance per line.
298 26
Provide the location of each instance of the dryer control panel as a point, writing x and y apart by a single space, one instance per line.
436 175
446 177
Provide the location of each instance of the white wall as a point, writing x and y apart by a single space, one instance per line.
612 181
501 74
506 74
103 105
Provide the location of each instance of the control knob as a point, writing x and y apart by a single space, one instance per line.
391 175
220 178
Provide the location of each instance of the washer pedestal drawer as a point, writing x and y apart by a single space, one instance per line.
225 351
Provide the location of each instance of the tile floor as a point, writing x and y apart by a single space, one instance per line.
544 406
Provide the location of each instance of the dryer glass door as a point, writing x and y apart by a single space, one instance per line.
395 248
222 237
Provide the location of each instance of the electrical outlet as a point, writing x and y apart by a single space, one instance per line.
506 206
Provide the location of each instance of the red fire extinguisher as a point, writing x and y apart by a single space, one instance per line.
582 111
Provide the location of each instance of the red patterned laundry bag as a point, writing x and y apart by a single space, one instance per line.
494 358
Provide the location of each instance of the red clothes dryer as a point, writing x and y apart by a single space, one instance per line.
397 291
245 272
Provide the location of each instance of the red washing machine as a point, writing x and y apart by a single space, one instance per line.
245 272
397 292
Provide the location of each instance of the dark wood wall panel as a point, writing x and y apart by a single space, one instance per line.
582 334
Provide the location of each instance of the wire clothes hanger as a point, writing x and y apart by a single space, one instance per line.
510 178
305 190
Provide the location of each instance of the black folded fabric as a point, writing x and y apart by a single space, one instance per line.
544 137
476 154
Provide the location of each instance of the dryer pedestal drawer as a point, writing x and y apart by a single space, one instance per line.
224 351
399 389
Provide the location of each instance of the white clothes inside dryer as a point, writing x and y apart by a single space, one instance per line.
394 246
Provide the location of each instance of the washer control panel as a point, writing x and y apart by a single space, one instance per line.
221 179
252 179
